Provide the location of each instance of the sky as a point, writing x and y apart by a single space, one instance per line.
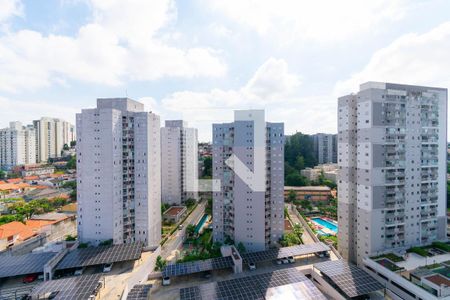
201 59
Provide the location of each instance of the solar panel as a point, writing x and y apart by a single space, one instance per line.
198 266
24 264
287 282
139 292
275 253
100 255
73 288
352 280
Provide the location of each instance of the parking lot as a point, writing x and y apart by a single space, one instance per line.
171 292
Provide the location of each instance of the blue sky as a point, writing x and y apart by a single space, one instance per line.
200 59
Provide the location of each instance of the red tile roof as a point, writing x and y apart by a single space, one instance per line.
16 228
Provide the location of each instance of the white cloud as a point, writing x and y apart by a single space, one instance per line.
33 109
120 44
271 85
318 20
10 8
421 59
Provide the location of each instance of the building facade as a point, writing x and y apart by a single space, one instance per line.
179 161
17 145
325 148
248 159
51 136
119 173
392 168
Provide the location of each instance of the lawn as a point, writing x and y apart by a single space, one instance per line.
390 256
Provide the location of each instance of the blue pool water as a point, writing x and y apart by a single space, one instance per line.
201 223
326 224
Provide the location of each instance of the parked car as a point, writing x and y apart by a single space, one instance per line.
166 281
285 260
252 266
279 262
78 272
180 227
107 268
291 259
30 278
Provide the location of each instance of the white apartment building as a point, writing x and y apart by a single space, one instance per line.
325 148
249 208
51 136
179 162
392 168
17 145
119 173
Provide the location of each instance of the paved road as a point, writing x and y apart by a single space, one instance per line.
177 238
306 237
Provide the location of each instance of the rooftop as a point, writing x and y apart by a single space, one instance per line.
174 210
16 228
308 188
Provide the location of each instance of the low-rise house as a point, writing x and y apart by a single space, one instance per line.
55 226
48 193
311 193
69 209
14 233
30 170
174 214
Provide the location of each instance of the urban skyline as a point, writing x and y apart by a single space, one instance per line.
211 149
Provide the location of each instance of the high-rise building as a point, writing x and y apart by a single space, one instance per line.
17 145
392 168
51 136
248 159
179 162
325 148
119 173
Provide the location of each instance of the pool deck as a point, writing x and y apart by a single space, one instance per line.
323 228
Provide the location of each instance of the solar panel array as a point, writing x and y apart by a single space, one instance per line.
352 280
24 264
100 255
198 266
139 292
275 253
73 288
261 286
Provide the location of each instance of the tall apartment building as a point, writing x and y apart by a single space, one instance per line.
119 173
392 168
325 148
51 136
17 145
179 162
249 208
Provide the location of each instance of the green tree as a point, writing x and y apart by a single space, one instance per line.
207 167
160 263
2 174
190 230
72 163
295 179
241 248
73 144
190 202
292 196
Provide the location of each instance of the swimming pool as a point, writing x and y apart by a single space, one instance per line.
201 223
327 224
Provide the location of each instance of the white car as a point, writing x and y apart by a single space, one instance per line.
291 259
285 260
107 268
78 272
166 281
252 266
279 262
